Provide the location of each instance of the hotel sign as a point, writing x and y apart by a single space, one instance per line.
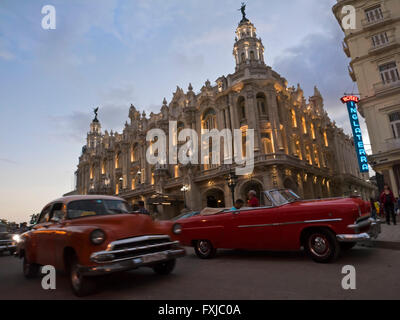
351 102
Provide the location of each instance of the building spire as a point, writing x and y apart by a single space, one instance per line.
248 49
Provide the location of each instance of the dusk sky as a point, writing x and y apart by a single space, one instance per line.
110 53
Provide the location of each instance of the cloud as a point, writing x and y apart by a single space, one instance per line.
319 60
8 161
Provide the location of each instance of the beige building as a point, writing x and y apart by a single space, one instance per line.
297 146
374 49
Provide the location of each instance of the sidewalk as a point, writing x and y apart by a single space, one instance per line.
388 239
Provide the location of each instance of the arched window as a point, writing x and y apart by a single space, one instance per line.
242 57
209 119
118 160
303 123
294 120
91 172
133 153
242 108
262 105
252 55
103 167
266 142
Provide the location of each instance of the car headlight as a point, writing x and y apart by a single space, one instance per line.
97 236
16 238
177 228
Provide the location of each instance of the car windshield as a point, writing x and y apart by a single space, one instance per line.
96 207
281 197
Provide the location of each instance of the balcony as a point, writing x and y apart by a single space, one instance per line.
346 49
384 46
369 24
383 87
352 74
391 145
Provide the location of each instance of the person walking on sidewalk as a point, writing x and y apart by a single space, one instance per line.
387 202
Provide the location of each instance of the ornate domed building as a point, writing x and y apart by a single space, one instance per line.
296 144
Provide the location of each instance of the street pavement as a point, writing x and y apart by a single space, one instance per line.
231 275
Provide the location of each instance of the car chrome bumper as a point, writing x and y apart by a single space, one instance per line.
375 229
4 247
353 237
133 263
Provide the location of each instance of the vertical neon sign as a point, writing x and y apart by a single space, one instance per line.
351 102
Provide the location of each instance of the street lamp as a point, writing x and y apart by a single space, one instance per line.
121 181
232 180
184 189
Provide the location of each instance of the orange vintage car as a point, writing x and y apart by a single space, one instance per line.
87 236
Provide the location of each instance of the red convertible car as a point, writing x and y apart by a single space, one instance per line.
322 227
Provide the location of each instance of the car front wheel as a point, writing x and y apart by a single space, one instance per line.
81 285
165 268
204 249
322 246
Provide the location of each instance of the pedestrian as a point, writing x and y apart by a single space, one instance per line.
253 200
142 209
387 202
239 203
373 208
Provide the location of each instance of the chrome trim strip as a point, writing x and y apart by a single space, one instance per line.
289 223
162 244
362 224
136 239
93 258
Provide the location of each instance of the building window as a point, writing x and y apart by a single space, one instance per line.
91 172
261 104
152 178
395 123
294 120
243 57
209 120
133 154
266 142
117 160
103 167
308 155
389 73
312 131
374 14
303 122
176 171
326 139
252 55
298 150
380 39
242 108
316 157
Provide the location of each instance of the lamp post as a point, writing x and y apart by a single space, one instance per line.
139 175
121 181
232 180
184 189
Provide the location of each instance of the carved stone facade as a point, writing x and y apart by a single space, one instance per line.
297 146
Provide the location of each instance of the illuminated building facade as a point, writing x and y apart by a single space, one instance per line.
297 146
374 49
